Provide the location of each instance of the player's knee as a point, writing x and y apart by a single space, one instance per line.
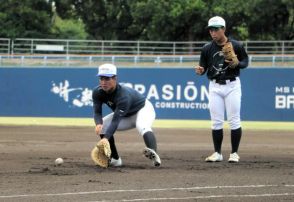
143 130
217 125
235 124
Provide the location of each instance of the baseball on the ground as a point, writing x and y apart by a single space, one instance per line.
58 161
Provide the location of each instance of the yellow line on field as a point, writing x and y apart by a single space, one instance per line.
45 121
161 123
199 124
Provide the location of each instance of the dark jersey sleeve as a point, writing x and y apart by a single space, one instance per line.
204 57
122 107
97 106
241 54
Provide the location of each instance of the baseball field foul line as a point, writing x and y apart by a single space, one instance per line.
202 197
151 190
159 123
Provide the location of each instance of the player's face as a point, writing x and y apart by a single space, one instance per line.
217 33
108 84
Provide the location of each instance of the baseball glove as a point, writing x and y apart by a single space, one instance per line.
101 153
229 55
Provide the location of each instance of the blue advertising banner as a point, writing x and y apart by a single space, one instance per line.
176 93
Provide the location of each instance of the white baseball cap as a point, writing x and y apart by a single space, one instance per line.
216 22
108 70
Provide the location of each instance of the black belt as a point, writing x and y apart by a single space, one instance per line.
223 81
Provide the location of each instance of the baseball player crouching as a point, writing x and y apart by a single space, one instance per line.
130 110
222 59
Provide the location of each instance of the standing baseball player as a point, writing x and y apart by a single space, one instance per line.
130 110
222 60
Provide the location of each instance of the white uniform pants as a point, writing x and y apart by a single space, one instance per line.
142 120
225 98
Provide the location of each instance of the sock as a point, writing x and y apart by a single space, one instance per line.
217 136
235 139
114 153
150 140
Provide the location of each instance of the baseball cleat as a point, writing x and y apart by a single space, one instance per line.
116 162
215 157
152 155
234 158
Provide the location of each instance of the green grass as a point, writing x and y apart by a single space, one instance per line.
184 124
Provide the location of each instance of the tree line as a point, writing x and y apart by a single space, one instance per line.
154 20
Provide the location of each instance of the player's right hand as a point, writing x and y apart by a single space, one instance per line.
98 129
199 70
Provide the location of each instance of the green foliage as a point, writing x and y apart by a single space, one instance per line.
174 20
269 19
242 32
68 29
64 9
168 20
104 20
25 18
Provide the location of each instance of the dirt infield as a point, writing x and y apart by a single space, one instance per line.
27 171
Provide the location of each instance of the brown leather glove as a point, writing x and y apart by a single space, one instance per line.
101 153
229 55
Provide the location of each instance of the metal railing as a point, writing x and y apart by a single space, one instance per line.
56 52
131 60
22 46
5 45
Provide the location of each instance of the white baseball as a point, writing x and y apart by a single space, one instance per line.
58 161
